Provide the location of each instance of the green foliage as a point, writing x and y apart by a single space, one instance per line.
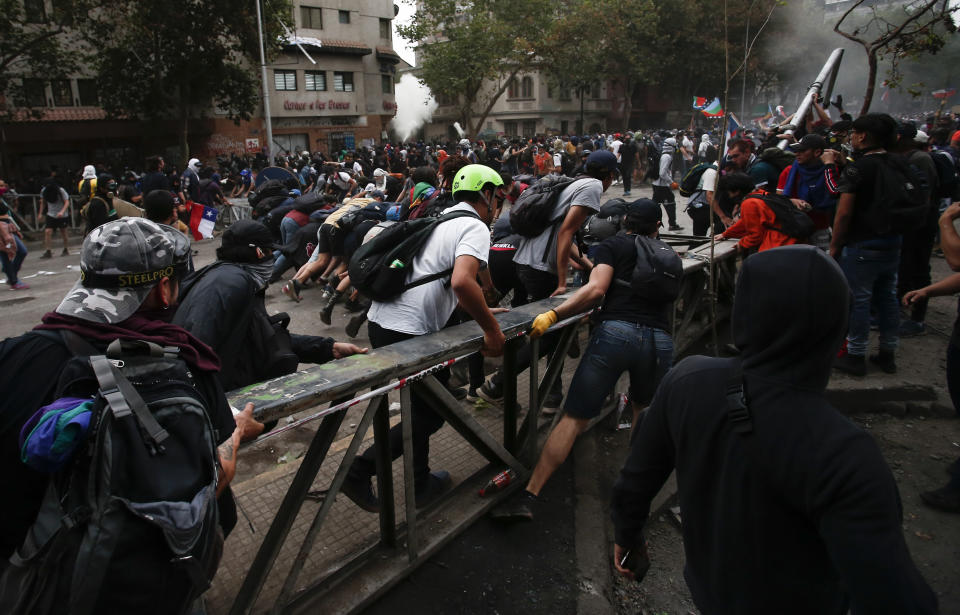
465 45
34 49
906 32
174 58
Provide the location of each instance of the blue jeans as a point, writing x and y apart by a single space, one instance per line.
872 275
11 268
288 228
615 347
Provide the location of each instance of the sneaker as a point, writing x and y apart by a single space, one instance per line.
439 483
626 194
552 404
292 290
65 252
886 360
911 328
19 286
517 509
946 499
472 395
853 364
490 392
676 227
360 491
47 254
327 292
352 305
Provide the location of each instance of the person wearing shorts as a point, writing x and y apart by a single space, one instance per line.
631 335
56 209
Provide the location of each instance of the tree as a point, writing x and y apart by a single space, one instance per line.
178 58
470 51
32 43
918 27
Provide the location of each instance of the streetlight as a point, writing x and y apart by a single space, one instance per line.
266 90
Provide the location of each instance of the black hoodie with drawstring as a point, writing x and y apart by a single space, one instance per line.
802 514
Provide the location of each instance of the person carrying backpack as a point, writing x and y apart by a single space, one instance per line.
762 225
880 200
451 256
812 179
164 417
56 212
544 253
631 335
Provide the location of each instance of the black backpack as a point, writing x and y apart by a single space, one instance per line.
900 194
653 161
532 212
791 221
378 269
130 523
691 181
269 188
947 176
657 272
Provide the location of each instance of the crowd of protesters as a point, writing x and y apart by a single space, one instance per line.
827 256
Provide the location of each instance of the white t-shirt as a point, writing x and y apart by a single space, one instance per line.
709 180
708 183
357 167
687 150
585 192
427 308
615 148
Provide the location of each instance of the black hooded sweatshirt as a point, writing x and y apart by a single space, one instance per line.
802 515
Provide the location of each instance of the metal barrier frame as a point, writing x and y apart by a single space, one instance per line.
370 573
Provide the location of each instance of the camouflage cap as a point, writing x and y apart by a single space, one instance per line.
120 263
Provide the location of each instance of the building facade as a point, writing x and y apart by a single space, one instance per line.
341 99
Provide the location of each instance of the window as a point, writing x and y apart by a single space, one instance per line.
87 89
510 128
344 16
62 92
386 83
386 33
513 88
596 90
34 93
343 82
34 11
526 88
311 17
314 80
291 144
529 128
564 127
285 79
564 94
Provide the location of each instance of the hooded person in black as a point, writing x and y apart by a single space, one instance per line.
800 514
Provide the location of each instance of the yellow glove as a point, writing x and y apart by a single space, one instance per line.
543 322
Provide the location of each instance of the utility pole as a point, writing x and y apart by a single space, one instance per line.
266 88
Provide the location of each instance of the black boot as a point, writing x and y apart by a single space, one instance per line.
353 327
327 310
886 360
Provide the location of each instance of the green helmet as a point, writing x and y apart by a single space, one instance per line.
473 177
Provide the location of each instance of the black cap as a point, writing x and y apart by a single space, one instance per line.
809 142
248 233
646 209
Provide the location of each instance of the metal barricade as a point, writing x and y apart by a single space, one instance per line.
302 579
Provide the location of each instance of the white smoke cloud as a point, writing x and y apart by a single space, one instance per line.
415 106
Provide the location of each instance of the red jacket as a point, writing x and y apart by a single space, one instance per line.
757 226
